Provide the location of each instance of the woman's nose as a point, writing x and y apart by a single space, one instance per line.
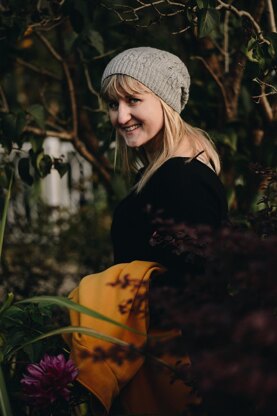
123 113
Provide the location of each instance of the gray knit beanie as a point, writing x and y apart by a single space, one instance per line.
162 72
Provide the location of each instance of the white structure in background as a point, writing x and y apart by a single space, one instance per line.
75 186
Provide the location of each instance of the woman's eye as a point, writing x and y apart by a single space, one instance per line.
133 100
113 105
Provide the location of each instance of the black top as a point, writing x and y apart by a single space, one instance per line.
180 190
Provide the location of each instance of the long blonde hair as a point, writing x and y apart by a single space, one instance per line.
174 132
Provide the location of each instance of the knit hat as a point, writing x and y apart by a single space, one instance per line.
162 72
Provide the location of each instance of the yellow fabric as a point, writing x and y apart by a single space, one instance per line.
144 389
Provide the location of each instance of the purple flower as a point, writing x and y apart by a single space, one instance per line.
48 380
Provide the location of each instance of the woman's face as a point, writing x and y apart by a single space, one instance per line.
138 118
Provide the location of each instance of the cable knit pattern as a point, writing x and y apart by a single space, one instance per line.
162 72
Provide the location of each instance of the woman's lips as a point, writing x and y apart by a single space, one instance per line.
129 129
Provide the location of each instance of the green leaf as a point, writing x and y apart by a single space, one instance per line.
4 398
201 4
71 329
36 142
64 302
24 171
61 167
208 20
37 112
95 39
273 44
7 302
44 164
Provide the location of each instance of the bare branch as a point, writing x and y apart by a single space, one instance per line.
226 41
181 30
48 46
265 105
5 105
69 81
243 13
37 69
73 135
262 98
64 135
47 24
88 80
271 16
49 111
216 79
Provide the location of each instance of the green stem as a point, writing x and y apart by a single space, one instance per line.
5 407
4 215
4 400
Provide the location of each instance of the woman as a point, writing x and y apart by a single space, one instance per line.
177 184
177 164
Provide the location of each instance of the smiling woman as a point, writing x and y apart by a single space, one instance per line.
177 183
138 118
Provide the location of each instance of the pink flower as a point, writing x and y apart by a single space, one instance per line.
48 380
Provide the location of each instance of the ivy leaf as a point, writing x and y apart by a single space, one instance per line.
201 4
37 112
208 20
24 171
44 164
95 39
61 167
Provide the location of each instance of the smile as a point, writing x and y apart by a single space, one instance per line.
131 128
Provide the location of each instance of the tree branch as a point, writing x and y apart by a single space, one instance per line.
216 79
89 83
64 135
37 69
5 105
73 135
243 13
271 16
226 41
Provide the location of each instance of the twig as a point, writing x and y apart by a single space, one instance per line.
262 98
265 105
226 41
70 84
50 112
216 78
48 46
42 25
73 135
103 55
88 80
5 104
92 110
181 30
54 125
37 69
64 135
242 13
271 16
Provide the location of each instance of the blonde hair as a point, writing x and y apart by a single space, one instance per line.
174 131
